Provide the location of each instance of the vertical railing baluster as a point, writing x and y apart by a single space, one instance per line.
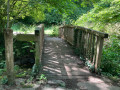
99 52
80 42
91 46
93 41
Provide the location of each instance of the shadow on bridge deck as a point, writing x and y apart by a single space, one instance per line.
59 60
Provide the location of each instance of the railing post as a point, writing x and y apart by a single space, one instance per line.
37 47
99 52
39 39
8 34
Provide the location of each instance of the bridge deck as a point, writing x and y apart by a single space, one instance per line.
60 63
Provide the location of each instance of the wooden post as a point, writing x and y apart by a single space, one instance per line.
8 34
99 52
78 39
39 38
37 47
60 32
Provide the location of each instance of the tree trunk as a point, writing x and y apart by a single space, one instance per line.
8 34
8 15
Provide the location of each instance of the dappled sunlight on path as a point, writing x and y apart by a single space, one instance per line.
60 63
59 60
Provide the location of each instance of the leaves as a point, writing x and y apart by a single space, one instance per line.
34 8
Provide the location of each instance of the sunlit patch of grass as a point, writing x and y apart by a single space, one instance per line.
48 30
52 31
26 29
22 28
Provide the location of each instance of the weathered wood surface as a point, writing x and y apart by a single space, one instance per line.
99 51
88 41
38 37
25 37
67 33
39 40
8 34
97 33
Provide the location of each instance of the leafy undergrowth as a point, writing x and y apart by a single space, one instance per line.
24 53
110 64
28 80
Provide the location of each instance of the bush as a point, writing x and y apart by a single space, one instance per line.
55 31
27 20
4 80
111 57
52 18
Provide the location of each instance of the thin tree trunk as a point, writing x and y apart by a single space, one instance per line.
8 35
8 13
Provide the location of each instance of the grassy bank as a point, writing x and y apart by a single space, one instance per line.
22 28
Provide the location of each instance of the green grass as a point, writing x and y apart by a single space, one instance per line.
52 31
22 28
48 30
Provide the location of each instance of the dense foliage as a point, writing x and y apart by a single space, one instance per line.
33 8
110 64
104 13
105 17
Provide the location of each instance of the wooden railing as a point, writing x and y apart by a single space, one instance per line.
67 32
88 42
38 38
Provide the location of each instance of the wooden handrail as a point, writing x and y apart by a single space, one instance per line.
97 33
88 41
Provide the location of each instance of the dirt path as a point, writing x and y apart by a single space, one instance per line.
60 64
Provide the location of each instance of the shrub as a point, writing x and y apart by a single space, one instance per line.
55 31
4 80
111 57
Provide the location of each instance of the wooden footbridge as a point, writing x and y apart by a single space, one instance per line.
57 56
87 42
59 62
